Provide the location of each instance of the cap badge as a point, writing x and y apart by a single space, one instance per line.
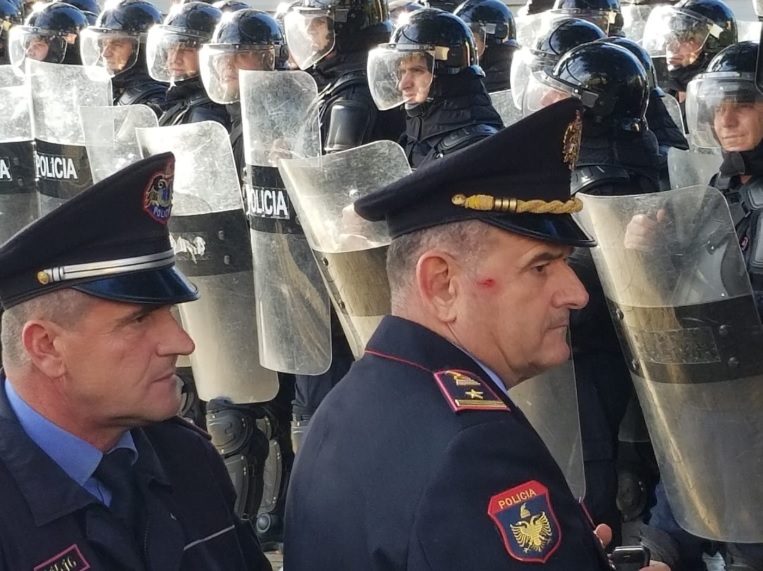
488 203
572 140
157 197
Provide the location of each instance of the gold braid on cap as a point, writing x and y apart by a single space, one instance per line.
487 203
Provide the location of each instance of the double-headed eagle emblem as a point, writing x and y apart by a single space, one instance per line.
532 532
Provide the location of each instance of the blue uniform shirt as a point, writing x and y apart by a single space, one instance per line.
77 458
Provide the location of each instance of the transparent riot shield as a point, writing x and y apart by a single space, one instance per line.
293 317
18 196
10 76
530 28
550 403
211 243
748 31
674 109
351 252
110 137
503 101
681 301
691 168
57 92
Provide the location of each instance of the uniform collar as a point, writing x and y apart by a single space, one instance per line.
410 342
77 458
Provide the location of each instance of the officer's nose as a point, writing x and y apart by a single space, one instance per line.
173 338
571 292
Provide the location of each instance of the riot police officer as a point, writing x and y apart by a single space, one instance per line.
430 65
89 8
50 35
10 15
661 122
685 37
172 53
230 5
562 36
400 9
496 36
250 40
725 110
117 42
330 39
618 156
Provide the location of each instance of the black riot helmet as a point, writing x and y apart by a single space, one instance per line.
231 5
433 44
641 55
50 34
315 28
121 25
490 20
10 15
172 47
86 6
723 89
608 80
688 35
243 40
604 13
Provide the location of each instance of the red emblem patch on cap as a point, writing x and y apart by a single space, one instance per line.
527 522
70 559
157 196
466 391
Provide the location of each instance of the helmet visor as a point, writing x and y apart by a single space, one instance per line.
523 64
677 36
171 54
397 77
220 66
309 35
541 92
34 43
604 19
479 31
115 51
724 111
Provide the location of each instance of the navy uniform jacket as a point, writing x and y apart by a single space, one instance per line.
49 523
416 462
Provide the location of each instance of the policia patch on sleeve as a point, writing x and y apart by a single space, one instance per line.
465 391
527 522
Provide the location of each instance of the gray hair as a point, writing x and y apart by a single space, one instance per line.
64 307
465 241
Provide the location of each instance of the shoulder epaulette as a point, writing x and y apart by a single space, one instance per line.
466 391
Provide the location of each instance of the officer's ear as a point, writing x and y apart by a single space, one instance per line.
435 279
41 342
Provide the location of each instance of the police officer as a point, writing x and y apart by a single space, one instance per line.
98 472
430 65
618 156
10 15
50 35
230 5
172 53
117 42
89 8
330 39
660 121
399 10
480 300
495 34
250 40
729 115
686 37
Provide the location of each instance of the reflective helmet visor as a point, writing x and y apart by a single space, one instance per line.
309 35
220 66
397 77
34 43
676 35
541 92
115 51
172 54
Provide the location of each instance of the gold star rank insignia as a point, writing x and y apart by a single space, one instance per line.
466 391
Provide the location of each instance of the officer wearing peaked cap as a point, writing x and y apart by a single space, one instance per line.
96 470
446 473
